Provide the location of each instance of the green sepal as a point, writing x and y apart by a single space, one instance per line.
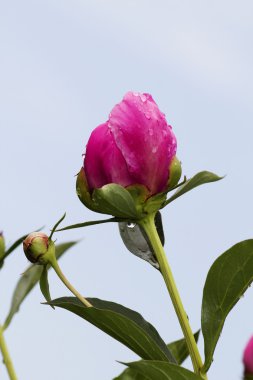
44 285
112 198
155 203
175 172
115 200
82 190
138 192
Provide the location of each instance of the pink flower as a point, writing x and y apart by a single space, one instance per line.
248 357
134 146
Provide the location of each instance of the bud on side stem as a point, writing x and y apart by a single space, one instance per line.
38 248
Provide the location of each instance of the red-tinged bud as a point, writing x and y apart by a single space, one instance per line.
38 248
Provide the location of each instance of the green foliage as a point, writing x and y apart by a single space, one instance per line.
28 280
91 223
130 374
197 180
227 280
158 370
44 285
178 349
123 324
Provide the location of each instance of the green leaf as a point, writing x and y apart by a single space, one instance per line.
130 374
158 370
228 278
44 285
28 280
91 223
178 349
115 200
197 180
56 225
123 324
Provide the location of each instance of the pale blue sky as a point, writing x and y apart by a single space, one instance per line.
63 67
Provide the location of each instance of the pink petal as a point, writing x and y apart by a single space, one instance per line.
103 162
145 140
248 357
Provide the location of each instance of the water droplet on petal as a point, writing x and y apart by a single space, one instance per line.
143 98
154 149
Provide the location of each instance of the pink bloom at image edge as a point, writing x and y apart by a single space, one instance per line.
248 357
135 146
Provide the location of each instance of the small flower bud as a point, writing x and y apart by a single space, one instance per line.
2 245
38 248
248 359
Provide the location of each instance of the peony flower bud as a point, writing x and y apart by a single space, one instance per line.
2 245
38 248
134 149
248 359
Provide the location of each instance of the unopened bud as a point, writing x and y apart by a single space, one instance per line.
2 245
38 248
175 172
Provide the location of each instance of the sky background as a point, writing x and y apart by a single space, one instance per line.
63 66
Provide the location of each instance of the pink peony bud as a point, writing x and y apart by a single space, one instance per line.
248 358
135 146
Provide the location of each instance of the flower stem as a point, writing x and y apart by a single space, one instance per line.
148 224
6 356
66 282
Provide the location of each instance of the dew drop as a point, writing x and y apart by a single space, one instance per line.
143 98
154 149
131 225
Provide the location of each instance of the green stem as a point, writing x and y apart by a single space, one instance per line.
148 224
66 282
6 356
